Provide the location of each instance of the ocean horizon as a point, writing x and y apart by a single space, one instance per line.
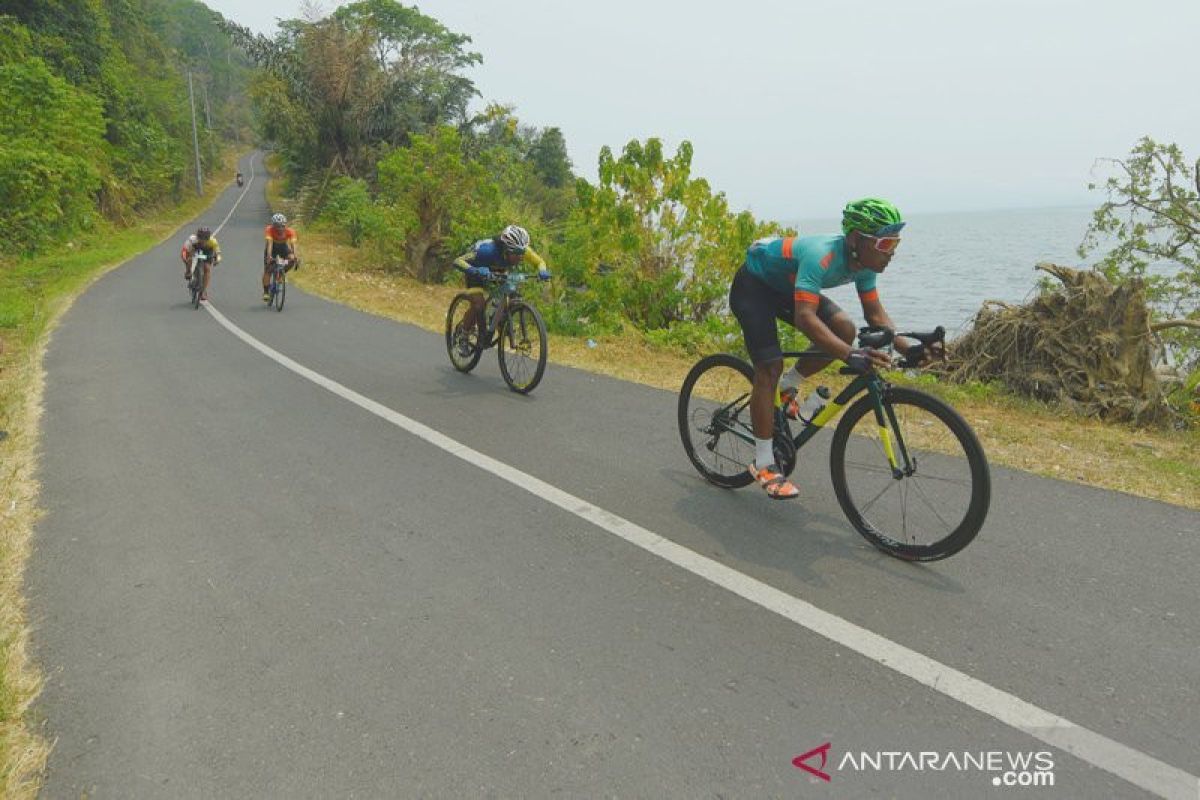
950 263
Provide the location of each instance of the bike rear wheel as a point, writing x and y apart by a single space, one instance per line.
522 348
934 504
463 344
280 291
714 419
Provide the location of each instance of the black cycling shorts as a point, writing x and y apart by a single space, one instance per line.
280 249
757 305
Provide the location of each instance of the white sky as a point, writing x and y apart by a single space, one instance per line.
795 106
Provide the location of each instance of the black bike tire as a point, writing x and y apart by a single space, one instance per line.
736 480
981 484
514 310
196 291
280 292
470 363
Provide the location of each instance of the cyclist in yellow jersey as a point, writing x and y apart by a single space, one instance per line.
203 241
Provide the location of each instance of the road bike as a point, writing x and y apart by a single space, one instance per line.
196 282
509 323
908 471
277 286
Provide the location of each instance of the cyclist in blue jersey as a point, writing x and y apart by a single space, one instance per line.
497 255
782 278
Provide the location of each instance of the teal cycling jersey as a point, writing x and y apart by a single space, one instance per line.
804 265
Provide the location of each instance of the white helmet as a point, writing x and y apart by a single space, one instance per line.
279 220
514 239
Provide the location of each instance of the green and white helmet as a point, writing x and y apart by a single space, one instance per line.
872 216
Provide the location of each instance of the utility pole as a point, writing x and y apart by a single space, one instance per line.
195 135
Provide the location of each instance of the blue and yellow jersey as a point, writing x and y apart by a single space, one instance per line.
486 253
804 265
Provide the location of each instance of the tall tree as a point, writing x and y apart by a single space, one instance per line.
369 77
550 160
1152 217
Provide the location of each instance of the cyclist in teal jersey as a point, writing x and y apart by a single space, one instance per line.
782 278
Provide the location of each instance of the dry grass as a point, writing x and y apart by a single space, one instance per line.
1015 433
22 753
58 282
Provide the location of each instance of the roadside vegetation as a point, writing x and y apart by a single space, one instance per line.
389 175
97 164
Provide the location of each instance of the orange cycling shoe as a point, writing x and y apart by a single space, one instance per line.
774 483
789 403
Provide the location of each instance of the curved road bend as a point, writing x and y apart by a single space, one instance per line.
248 585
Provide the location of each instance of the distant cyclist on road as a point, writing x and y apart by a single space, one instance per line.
782 278
280 241
201 241
497 255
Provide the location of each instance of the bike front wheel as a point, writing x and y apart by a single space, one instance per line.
280 292
463 342
522 348
916 486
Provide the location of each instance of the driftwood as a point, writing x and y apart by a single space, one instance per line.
1087 344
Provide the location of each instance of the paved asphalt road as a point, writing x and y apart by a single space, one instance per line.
247 586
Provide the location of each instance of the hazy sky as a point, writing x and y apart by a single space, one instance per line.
795 106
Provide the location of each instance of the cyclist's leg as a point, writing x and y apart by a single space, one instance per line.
756 306
478 298
207 276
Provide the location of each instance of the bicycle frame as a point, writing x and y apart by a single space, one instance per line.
503 293
885 417
876 387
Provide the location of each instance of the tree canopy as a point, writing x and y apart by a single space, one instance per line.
94 99
1152 218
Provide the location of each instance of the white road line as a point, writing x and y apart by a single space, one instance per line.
1131 765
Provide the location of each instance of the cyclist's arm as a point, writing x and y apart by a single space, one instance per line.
463 262
817 331
216 247
807 297
533 259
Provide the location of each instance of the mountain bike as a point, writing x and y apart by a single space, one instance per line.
196 283
277 287
509 323
908 471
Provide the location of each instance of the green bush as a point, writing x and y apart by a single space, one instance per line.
51 157
351 208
